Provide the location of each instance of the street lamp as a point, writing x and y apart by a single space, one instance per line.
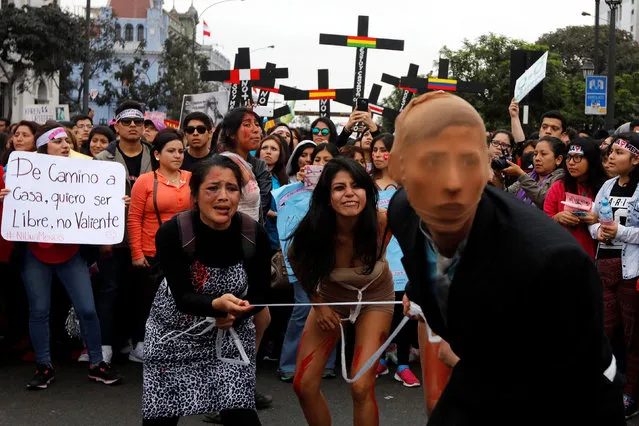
214 4
588 68
272 46
612 47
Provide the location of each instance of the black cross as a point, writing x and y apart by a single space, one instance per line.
407 92
442 82
241 76
376 108
362 42
323 94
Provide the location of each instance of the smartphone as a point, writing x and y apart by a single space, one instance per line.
579 213
362 104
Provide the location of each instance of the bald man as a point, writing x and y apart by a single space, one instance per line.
513 293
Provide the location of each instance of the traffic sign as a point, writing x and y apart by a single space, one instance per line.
596 95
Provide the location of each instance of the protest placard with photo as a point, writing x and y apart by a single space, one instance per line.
215 104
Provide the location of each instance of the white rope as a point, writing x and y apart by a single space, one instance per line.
415 310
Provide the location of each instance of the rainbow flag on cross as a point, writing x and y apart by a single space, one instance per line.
355 41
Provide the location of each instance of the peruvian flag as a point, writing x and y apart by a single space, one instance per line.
207 32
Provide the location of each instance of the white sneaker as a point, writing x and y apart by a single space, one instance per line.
107 354
137 354
127 348
84 356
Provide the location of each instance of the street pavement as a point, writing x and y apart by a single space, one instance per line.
73 400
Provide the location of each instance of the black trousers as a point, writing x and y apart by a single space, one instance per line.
235 417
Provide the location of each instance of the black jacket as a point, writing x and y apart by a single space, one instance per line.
525 316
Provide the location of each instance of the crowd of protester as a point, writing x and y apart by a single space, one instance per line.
238 166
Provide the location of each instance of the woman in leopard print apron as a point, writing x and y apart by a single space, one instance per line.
209 270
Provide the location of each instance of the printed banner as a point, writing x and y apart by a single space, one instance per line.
45 112
62 200
215 104
393 251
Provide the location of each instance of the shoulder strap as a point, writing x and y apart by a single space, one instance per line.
155 198
187 236
249 233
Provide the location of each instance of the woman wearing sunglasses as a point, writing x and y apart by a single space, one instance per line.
323 130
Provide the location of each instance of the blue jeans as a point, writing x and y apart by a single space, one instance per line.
74 275
294 333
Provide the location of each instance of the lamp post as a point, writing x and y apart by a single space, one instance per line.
588 67
596 50
612 53
87 64
272 46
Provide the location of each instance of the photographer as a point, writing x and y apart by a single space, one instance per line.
532 187
500 149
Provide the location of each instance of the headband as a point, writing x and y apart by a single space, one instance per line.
576 149
129 113
624 144
52 134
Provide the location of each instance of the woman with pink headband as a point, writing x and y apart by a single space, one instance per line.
618 256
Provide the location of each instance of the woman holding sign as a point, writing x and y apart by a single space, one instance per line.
210 261
155 198
41 261
584 177
346 264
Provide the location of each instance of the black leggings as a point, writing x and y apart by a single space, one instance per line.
406 336
235 417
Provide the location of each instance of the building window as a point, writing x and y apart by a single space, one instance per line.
42 97
128 32
118 32
140 33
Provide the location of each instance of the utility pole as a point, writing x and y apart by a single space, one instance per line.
87 64
596 55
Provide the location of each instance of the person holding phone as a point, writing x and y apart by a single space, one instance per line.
358 116
584 177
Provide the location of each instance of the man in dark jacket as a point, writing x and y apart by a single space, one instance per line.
516 297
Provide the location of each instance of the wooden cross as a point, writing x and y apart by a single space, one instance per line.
241 77
374 106
266 86
323 94
442 82
407 92
362 42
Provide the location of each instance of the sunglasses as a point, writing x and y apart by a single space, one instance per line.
191 129
128 121
323 132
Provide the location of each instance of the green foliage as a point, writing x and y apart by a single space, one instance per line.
487 60
181 65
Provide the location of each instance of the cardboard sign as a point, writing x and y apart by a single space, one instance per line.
62 200
311 176
155 115
214 104
45 112
531 78
577 203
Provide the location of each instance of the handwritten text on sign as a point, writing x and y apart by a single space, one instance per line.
62 200
531 78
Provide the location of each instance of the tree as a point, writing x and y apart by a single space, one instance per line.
301 122
132 82
101 57
181 65
37 42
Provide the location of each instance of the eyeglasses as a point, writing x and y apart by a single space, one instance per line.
85 126
323 132
128 121
191 129
498 144
576 158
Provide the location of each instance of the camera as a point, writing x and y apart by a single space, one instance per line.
501 162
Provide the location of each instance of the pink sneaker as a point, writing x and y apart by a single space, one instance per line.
407 378
381 369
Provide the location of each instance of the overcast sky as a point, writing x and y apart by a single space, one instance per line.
293 26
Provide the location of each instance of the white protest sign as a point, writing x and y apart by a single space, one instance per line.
42 113
531 78
63 200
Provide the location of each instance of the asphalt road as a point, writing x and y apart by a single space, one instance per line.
73 400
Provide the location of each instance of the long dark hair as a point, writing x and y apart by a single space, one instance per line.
203 168
595 176
164 137
230 125
98 130
44 149
557 146
387 139
31 125
332 149
279 168
312 252
332 138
